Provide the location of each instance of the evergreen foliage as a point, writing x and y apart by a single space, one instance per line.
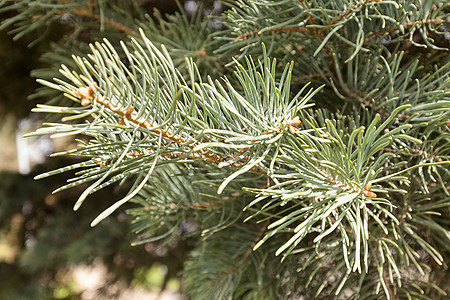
48 241
303 144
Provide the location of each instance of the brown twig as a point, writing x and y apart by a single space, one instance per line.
310 76
365 192
195 204
172 154
352 9
318 32
388 285
89 95
184 205
284 29
91 6
403 212
417 151
244 257
405 25
361 97
89 13
315 31
429 155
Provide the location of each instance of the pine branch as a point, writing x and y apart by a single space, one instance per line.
352 195
88 95
195 136
242 260
33 15
337 27
313 30
89 13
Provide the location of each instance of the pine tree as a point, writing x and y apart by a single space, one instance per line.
304 145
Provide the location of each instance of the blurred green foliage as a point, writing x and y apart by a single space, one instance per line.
48 238
17 61
41 238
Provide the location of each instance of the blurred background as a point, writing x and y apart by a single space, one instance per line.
48 251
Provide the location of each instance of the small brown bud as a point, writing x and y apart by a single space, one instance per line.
86 92
369 194
129 110
85 102
292 129
201 52
295 121
82 92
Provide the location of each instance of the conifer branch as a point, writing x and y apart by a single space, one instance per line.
416 151
391 30
316 31
181 133
352 10
242 259
308 77
89 13
89 95
278 29
365 192
364 99
92 96
319 31
194 205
